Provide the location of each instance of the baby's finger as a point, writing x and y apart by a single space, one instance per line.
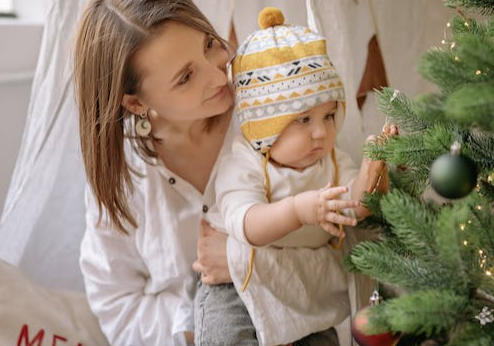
328 185
333 192
394 130
338 204
332 229
371 138
340 219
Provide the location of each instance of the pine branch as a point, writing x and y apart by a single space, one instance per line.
412 222
471 334
430 108
428 311
472 106
483 6
440 68
449 245
399 108
458 27
379 261
480 148
476 52
482 295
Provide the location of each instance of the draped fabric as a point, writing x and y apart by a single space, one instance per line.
42 221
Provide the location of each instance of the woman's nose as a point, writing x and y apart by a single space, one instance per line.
217 72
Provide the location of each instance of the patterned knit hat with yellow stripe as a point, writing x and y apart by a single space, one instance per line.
279 72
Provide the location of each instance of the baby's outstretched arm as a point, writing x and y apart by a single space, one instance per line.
267 223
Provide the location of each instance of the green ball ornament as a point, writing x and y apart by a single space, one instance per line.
453 175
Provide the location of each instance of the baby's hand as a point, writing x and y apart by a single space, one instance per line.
322 208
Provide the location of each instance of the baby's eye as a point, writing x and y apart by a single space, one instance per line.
303 120
329 117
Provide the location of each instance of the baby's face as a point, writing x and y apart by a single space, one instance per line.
307 139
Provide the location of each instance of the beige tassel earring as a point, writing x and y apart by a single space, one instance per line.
143 125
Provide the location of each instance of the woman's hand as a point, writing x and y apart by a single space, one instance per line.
212 262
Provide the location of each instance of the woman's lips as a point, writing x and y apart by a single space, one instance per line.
219 93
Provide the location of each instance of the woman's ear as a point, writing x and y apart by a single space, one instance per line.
133 104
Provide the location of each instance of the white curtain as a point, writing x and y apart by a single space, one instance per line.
43 220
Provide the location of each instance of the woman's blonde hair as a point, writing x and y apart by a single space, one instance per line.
109 34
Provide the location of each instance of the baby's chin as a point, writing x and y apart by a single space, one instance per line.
307 162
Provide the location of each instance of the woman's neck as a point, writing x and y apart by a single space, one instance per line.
186 132
191 152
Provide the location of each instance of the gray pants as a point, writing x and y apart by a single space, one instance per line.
221 319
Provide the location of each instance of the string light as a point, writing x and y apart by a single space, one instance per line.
448 24
466 24
479 207
488 273
478 72
481 252
465 243
453 45
462 226
469 221
457 59
443 41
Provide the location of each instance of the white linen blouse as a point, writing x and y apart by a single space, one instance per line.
141 286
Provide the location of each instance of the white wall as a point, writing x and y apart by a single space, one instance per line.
32 10
20 42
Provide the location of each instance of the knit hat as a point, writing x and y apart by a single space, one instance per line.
279 72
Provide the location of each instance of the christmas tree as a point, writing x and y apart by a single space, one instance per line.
438 253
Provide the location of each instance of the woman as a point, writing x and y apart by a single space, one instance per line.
155 113
158 64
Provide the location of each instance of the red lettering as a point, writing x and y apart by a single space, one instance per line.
55 338
24 336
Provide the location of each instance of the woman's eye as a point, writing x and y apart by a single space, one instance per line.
210 43
185 78
303 120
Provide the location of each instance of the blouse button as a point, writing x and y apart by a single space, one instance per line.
172 180
205 208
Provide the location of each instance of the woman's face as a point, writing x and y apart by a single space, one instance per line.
183 74
307 139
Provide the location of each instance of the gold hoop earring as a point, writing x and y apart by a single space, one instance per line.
143 126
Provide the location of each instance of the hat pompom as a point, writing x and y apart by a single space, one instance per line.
270 16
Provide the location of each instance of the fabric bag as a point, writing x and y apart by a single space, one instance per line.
31 315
